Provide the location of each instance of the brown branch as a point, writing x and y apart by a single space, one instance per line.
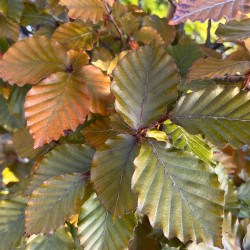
208 40
111 18
230 79
247 82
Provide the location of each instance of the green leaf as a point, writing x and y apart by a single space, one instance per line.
8 29
60 240
234 30
142 77
64 159
220 112
147 35
111 172
76 36
244 193
12 221
179 193
23 144
129 24
56 198
192 143
97 231
12 8
118 124
8 121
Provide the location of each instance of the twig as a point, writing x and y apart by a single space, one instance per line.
173 3
208 40
230 79
247 82
111 18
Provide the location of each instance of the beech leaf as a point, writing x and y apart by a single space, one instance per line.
8 28
220 112
32 59
87 10
201 10
140 78
12 8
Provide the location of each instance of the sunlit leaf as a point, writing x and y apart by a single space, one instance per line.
97 231
192 143
166 31
32 59
12 221
64 159
234 30
23 143
56 198
76 36
90 10
58 103
12 8
220 112
98 86
98 132
179 193
114 62
147 35
60 240
140 78
8 28
111 173
202 10
101 58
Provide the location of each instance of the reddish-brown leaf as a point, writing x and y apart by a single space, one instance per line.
58 103
32 59
201 10
87 10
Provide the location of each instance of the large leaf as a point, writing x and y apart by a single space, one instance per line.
32 59
212 67
97 231
234 30
220 112
64 159
12 8
111 173
76 36
12 221
8 29
56 198
58 103
201 10
179 193
60 240
192 143
142 77
87 10
98 86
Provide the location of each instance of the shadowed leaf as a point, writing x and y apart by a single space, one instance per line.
147 35
111 173
220 112
32 59
171 189
140 78
97 231
12 8
8 29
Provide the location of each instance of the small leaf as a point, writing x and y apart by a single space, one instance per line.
32 59
90 10
114 62
220 112
23 144
12 8
211 67
142 77
12 221
201 10
234 30
58 103
76 36
60 240
64 159
59 197
101 58
111 173
192 143
98 132
129 24
147 35
8 28
179 193
97 231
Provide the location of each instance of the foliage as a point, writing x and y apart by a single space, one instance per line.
118 130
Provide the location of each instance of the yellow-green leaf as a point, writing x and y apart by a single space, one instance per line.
12 8
8 28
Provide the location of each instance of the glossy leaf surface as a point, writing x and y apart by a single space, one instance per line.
220 112
143 76
171 189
